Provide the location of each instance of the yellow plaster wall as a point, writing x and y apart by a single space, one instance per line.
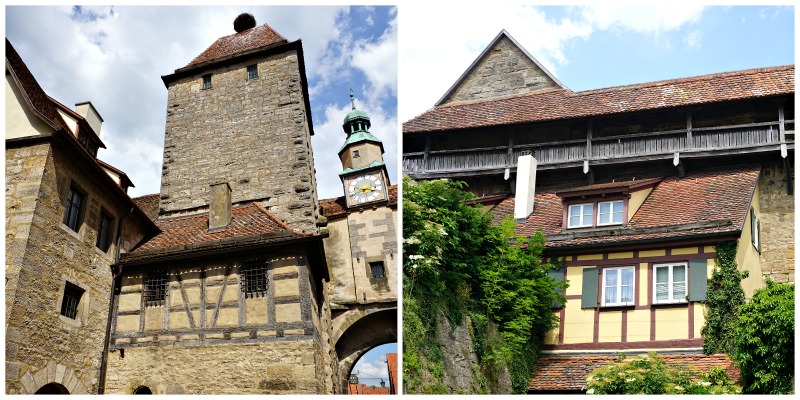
589 257
616 256
256 311
638 325
672 323
287 312
20 121
154 319
130 302
747 258
636 200
652 253
575 277
684 250
642 285
287 288
610 326
128 323
699 318
578 323
551 336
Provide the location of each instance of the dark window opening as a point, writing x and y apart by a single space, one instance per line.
252 72
82 138
104 232
207 81
377 269
52 388
253 274
143 390
355 154
155 289
72 297
72 208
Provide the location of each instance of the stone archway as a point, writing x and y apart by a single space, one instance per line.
53 376
363 330
52 388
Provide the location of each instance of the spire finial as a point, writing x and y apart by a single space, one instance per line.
352 99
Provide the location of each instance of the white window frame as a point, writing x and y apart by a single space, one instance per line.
583 223
611 212
671 284
618 303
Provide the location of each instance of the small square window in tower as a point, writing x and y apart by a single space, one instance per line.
155 289
73 208
104 232
72 297
252 72
377 269
253 275
207 81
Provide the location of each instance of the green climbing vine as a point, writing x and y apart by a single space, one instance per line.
724 298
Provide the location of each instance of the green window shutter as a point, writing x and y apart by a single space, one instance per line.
698 276
589 290
558 276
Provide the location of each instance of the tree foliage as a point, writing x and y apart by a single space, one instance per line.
724 298
763 345
649 374
455 263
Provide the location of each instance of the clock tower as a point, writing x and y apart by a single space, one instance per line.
364 174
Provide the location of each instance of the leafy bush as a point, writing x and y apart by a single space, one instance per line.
455 263
763 345
649 374
724 297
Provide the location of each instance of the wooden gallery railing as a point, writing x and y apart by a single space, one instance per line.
732 138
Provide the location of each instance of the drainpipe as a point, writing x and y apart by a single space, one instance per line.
104 357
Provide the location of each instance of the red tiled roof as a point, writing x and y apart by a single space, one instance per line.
569 372
558 104
149 204
249 224
242 42
337 207
705 202
608 187
33 93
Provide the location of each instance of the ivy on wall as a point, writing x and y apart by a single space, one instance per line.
725 297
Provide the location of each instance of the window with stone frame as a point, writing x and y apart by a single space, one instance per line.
252 72
104 229
71 300
155 286
207 81
74 205
377 269
253 277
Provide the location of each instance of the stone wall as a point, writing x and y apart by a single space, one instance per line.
504 70
286 367
43 346
365 236
777 225
252 134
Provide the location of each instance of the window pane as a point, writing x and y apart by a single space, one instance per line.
617 216
587 214
662 275
662 292
627 294
605 208
627 276
611 295
611 277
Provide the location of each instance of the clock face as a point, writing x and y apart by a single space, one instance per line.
365 188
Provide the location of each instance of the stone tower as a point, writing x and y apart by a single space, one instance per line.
363 173
239 113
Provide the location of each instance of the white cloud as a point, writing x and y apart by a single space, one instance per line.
375 369
434 51
378 61
693 40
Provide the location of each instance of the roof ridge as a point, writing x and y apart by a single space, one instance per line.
741 72
272 217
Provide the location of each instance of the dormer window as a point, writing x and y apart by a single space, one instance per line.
580 215
609 212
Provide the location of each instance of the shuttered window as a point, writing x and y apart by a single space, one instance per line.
618 286
589 288
669 283
698 279
558 276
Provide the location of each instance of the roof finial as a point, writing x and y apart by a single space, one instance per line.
352 99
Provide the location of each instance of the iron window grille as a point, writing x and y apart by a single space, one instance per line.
377 270
72 208
252 72
104 232
253 275
207 81
155 289
72 297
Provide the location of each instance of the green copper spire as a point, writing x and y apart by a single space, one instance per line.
356 125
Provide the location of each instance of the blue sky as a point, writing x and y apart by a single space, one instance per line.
371 367
115 57
591 46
